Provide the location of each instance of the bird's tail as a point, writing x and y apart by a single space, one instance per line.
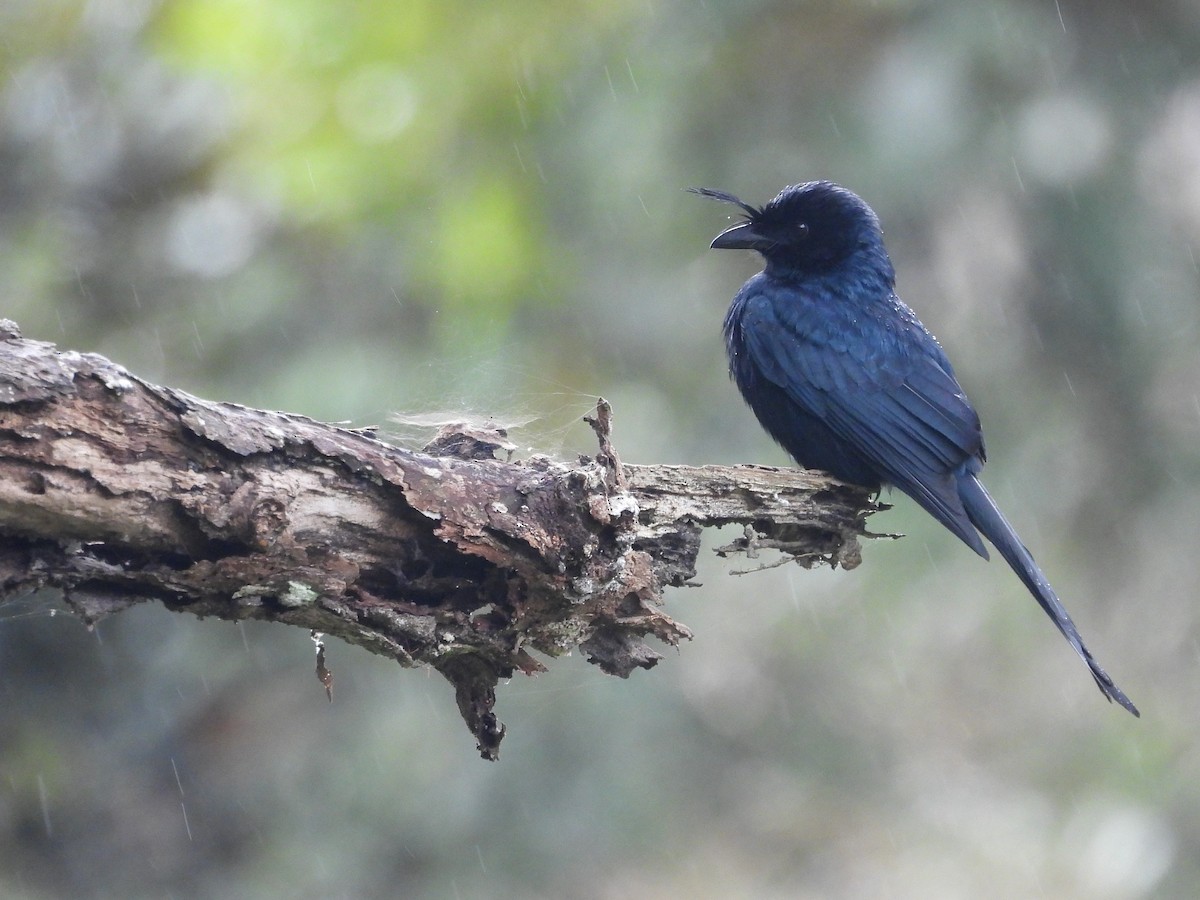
986 516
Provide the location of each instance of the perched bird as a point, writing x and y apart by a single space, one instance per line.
844 376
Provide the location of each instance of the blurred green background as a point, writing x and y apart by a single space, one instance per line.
353 210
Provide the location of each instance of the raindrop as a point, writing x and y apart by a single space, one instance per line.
1137 305
1017 172
45 803
178 783
186 825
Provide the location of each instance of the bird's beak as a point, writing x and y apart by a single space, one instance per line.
740 237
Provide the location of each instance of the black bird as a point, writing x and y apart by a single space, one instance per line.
844 376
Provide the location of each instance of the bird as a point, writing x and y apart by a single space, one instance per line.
845 377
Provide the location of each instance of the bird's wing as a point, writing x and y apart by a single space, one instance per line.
888 392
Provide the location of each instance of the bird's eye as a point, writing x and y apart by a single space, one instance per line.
802 229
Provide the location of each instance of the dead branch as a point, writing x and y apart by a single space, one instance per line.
116 491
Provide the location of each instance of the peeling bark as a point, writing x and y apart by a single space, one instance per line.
116 491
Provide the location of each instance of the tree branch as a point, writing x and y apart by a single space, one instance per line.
116 491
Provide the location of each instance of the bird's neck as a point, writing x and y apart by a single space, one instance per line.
866 272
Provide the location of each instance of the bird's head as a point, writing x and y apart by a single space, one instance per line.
809 228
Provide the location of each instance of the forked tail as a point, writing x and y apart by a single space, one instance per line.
986 516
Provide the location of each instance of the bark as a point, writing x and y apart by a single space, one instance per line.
116 491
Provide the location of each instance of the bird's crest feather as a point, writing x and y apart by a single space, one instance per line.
752 212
